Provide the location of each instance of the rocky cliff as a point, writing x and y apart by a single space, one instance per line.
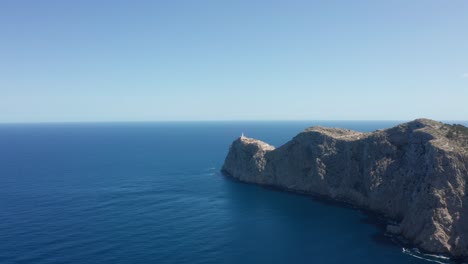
414 173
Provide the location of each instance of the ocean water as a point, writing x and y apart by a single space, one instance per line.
152 193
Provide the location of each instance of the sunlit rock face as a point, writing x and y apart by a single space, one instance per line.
414 173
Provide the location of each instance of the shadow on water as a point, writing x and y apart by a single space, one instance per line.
378 236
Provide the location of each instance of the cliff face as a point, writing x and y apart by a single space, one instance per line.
414 173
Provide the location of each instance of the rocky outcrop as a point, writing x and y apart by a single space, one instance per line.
414 173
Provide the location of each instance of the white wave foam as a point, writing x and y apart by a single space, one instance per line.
428 257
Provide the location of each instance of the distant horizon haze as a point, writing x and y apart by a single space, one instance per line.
312 121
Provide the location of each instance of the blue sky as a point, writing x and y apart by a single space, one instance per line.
233 60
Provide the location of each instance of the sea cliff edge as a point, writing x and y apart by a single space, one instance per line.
414 174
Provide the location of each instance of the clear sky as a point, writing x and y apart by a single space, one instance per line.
233 60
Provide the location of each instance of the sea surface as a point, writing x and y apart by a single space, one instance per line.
152 193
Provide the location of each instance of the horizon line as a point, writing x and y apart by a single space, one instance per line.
221 120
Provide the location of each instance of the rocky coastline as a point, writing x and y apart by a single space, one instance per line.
414 174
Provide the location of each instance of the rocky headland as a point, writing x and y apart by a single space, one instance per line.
414 174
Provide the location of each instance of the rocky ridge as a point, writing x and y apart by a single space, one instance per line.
414 173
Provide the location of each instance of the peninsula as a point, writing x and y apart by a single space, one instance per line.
414 174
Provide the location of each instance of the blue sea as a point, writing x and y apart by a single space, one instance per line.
153 193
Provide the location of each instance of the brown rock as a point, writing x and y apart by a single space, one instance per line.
414 173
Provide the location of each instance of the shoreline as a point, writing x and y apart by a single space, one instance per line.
374 218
